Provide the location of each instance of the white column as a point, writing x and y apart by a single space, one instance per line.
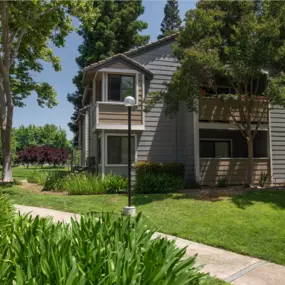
103 153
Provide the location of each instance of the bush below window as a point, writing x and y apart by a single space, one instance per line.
158 183
171 168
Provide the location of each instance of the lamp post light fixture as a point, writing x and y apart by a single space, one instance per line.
129 210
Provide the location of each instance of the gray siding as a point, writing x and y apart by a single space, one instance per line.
165 139
277 130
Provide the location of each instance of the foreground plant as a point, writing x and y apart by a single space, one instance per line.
96 250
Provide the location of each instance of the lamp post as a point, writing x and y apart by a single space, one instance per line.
129 210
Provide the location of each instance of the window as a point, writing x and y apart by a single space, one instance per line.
215 149
117 149
120 86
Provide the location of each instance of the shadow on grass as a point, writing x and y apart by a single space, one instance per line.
143 199
4 185
274 197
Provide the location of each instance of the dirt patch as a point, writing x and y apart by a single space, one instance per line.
37 188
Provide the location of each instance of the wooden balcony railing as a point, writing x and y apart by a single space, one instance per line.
234 170
213 110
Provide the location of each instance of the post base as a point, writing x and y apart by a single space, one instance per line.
129 211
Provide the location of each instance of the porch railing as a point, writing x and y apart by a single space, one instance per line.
233 170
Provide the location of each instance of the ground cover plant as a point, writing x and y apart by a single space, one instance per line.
96 250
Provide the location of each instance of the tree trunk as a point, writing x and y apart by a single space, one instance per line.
250 161
7 155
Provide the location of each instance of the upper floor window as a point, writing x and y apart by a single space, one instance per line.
120 86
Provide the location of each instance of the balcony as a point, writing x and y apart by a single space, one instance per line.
212 110
114 115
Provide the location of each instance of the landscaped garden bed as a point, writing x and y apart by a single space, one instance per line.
98 249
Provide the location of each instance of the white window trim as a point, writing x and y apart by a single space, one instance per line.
219 140
106 148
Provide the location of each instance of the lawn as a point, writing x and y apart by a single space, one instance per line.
251 224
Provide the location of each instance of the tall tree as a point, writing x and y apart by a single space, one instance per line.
241 43
26 30
171 21
47 135
116 30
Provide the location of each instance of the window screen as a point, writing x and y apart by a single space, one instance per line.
117 149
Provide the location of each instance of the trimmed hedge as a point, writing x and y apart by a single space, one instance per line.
159 177
158 183
169 168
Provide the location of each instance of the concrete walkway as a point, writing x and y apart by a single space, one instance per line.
229 266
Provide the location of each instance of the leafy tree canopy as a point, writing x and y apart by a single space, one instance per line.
171 21
116 30
240 44
47 135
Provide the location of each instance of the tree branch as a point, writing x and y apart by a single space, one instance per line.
5 32
16 49
238 125
259 121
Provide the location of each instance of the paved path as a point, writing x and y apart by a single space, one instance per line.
231 267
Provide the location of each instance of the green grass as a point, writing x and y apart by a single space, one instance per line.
252 224
21 172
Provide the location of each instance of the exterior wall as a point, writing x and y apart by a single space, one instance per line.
277 139
211 109
238 143
234 170
185 141
161 141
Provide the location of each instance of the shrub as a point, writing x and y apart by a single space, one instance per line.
115 183
83 184
55 180
92 251
222 182
6 212
171 168
158 183
37 177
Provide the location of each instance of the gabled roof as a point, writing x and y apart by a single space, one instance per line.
100 64
152 44
125 57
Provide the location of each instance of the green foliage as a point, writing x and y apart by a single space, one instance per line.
55 181
34 25
47 135
222 182
7 212
263 179
232 43
38 177
116 30
91 251
170 168
158 183
83 184
115 183
171 21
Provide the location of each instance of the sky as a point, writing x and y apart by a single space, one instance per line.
62 81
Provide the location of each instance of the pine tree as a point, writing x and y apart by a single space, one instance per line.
116 30
171 21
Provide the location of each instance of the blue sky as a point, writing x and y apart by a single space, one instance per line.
62 81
